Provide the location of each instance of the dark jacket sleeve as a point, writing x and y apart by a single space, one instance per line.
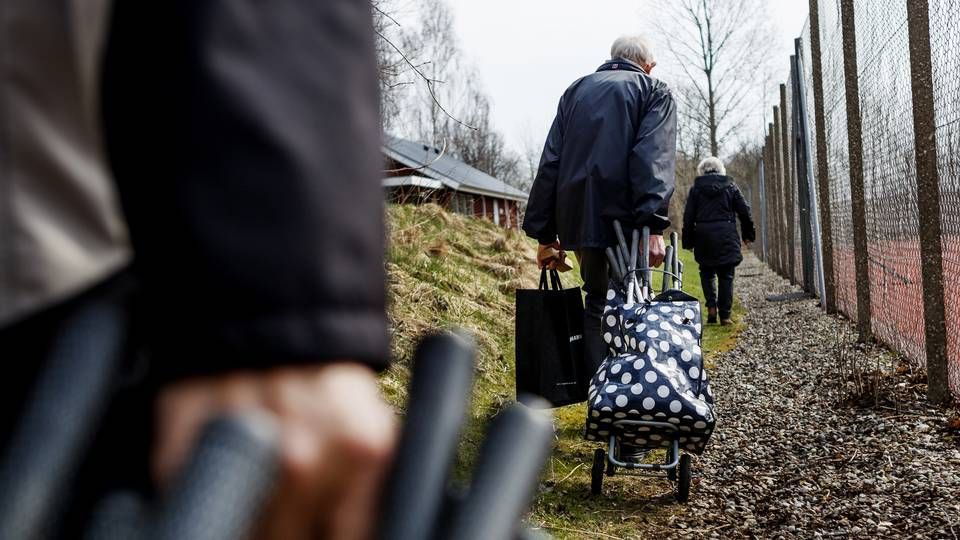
742 208
540 219
689 233
244 139
653 161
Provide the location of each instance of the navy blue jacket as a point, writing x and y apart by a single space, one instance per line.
610 155
710 221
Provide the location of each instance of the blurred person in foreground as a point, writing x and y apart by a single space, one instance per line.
213 167
710 229
610 155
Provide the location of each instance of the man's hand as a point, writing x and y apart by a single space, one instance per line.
748 243
550 255
657 250
336 439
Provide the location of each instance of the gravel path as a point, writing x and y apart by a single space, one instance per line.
793 458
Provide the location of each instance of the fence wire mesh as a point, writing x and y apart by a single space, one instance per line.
890 182
838 163
945 54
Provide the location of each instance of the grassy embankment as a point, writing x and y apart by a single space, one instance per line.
446 270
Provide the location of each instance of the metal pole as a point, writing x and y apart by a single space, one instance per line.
787 186
928 201
777 191
763 207
823 179
812 221
805 199
855 149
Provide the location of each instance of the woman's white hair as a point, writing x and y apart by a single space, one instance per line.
633 48
711 165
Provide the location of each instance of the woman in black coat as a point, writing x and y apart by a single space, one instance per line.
710 230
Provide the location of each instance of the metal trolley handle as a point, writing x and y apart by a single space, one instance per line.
637 280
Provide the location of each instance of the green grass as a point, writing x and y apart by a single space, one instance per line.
450 271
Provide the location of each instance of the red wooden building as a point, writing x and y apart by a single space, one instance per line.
418 173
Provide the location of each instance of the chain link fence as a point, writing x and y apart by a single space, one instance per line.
890 181
838 160
794 175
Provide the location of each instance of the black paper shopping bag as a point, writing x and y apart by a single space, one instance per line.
549 349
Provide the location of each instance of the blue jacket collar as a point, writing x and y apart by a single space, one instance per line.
620 64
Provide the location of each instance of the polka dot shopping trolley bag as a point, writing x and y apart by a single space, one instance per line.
653 372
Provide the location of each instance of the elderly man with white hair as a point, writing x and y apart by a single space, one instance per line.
610 155
710 230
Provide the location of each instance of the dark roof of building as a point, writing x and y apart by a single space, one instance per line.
453 173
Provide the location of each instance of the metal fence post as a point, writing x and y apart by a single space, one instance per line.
777 191
855 148
928 201
769 191
801 157
823 178
767 171
762 205
813 219
788 261
775 186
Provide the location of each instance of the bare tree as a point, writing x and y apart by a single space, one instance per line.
430 94
393 72
531 149
434 46
721 50
484 148
412 61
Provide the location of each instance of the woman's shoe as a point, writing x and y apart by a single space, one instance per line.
711 315
725 322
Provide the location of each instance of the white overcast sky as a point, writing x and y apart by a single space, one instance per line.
528 51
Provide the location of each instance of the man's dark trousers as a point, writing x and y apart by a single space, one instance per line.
721 299
595 274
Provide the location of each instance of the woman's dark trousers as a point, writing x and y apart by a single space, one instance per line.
717 282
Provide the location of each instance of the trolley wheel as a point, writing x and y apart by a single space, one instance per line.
596 474
671 473
611 468
683 484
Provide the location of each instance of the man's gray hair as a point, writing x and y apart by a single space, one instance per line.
633 48
711 165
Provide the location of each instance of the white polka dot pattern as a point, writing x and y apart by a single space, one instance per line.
653 372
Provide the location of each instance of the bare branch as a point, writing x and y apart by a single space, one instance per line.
721 50
428 80
387 15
